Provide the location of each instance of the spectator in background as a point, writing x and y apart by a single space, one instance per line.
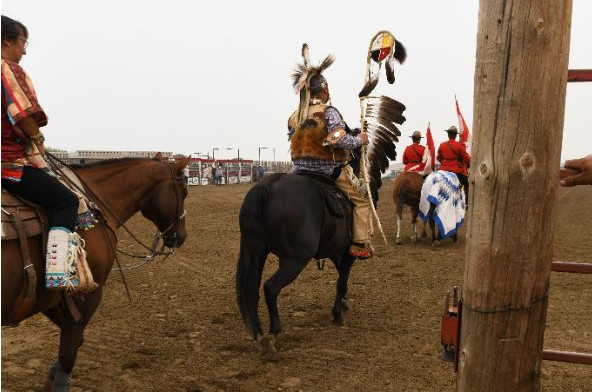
214 172
261 172
217 175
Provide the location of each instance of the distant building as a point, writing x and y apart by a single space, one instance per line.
90 156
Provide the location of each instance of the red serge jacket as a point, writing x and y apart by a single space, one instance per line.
413 155
453 157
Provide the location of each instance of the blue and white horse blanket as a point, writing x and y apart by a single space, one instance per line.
443 189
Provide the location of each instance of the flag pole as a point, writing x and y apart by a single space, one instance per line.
362 129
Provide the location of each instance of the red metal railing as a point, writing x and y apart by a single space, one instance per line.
569 356
573 75
579 75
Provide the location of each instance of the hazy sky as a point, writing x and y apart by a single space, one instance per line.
188 76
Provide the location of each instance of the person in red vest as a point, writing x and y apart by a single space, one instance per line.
413 154
454 158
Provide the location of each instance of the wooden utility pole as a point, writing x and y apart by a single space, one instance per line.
519 103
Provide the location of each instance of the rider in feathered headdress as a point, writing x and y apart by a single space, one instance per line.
319 143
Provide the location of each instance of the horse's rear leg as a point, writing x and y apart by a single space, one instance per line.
288 270
399 214
424 232
414 213
343 268
435 238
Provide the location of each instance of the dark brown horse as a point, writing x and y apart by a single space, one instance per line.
407 191
121 188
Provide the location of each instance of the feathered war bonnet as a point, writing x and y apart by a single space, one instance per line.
302 77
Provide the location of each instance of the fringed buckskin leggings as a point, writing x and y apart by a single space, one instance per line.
362 220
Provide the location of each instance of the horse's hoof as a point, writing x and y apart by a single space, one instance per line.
399 242
338 321
436 243
345 304
48 385
267 346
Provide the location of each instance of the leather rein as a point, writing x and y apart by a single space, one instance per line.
158 235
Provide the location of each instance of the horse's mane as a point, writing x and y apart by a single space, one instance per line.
106 162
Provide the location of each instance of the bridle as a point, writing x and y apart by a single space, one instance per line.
158 236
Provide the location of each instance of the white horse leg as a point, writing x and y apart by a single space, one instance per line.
414 235
398 230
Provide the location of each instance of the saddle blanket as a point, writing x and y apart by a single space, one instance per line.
443 189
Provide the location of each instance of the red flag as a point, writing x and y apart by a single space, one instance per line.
430 146
428 160
465 135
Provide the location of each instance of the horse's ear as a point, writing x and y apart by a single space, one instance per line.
158 157
181 164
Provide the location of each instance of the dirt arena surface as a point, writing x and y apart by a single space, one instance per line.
183 331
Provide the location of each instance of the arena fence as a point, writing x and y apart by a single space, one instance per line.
226 171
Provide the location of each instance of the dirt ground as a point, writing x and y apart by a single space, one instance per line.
183 332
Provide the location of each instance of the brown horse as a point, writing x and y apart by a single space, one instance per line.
121 188
407 191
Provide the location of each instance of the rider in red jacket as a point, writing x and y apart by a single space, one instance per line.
454 158
413 154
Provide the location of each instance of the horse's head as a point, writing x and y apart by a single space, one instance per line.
165 205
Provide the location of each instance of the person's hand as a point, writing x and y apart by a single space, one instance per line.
363 137
579 173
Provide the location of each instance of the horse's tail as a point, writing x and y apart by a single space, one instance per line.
253 253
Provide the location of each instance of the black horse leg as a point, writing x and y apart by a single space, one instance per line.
343 268
433 224
288 270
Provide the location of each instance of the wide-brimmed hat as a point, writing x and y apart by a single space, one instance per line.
416 134
452 129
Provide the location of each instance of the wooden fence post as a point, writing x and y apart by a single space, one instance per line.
519 103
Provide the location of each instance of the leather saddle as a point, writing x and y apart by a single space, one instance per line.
21 220
337 203
19 214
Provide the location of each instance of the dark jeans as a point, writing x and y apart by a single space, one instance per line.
41 188
464 180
